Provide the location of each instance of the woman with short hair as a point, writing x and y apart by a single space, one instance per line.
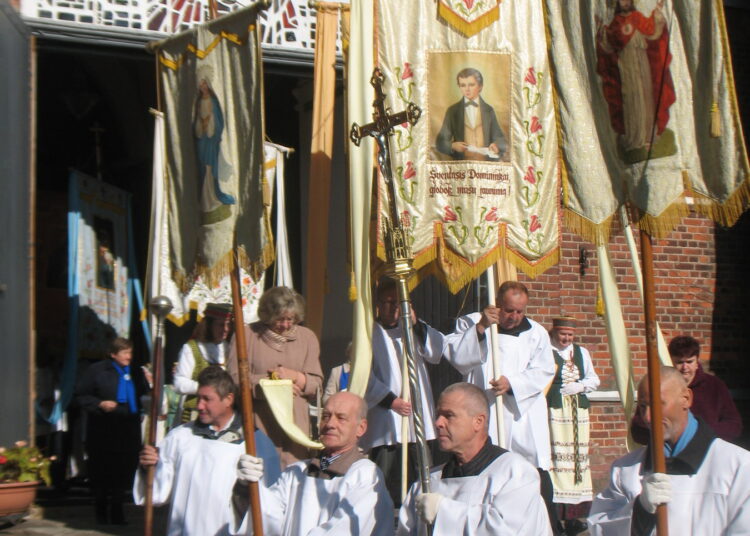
278 345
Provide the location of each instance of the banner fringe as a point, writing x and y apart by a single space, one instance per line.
425 265
595 233
467 29
666 222
224 266
725 214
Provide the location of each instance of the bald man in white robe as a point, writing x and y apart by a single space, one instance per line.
338 494
483 489
706 487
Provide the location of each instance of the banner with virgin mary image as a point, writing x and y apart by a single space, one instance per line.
211 80
477 176
648 113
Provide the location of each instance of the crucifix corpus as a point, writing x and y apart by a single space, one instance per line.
398 252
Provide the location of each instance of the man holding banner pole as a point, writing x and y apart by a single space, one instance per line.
387 391
528 367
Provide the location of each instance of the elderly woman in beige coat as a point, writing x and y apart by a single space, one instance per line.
278 344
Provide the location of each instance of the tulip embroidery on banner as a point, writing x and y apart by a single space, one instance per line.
531 190
534 240
534 136
487 222
405 184
531 91
459 231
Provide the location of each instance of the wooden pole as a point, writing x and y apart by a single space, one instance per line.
246 397
160 307
654 380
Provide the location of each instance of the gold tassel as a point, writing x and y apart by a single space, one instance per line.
352 288
144 314
715 121
266 192
599 300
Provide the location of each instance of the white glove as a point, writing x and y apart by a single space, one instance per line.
572 388
249 468
657 489
427 506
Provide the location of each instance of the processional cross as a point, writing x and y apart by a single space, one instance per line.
398 252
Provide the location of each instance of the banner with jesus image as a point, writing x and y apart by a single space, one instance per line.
648 113
477 175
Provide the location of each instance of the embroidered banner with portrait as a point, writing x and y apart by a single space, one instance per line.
648 113
211 79
99 279
478 172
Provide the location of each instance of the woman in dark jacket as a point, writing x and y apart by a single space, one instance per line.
110 392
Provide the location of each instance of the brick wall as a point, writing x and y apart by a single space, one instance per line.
688 301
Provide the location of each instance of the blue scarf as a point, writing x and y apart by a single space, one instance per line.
344 382
126 388
687 435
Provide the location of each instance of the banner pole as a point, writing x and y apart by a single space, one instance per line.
496 365
160 307
246 398
654 380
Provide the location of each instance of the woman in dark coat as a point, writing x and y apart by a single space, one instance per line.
110 393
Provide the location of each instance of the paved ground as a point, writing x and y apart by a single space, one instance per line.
73 514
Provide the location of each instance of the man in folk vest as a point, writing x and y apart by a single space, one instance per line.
470 129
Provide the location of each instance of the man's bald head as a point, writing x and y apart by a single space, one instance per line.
350 399
474 401
342 423
676 400
462 420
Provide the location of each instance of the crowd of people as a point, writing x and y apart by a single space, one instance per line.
516 440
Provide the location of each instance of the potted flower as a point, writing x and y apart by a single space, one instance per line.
22 467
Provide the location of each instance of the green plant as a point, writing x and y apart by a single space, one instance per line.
22 463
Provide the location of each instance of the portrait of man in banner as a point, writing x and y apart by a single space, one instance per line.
633 62
105 259
469 119
208 124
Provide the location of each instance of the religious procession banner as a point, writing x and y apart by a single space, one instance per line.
478 173
647 113
99 283
201 292
211 79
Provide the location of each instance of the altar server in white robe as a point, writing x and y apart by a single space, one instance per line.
386 406
196 463
339 494
706 487
527 369
482 489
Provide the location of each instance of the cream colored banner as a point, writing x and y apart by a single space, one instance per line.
647 112
359 106
211 80
479 171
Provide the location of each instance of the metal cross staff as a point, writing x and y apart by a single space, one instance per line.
398 252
